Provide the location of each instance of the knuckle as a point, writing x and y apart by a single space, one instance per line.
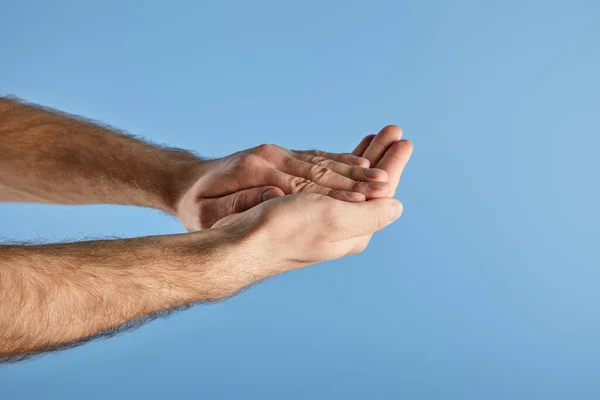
300 185
248 161
355 172
265 150
376 221
322 161
332 218
319 172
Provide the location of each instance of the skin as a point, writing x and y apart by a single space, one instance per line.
242 227
50 157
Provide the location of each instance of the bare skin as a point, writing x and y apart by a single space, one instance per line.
58 295
51 157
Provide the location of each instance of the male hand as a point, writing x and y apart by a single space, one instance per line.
295 231
387 152
243 180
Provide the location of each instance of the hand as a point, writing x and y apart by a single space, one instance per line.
243 180
385 151
295 231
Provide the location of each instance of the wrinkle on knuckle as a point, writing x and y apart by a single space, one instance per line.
356 171
301 185
322 161
318 173
376 222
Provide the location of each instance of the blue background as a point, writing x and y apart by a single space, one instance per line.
488 285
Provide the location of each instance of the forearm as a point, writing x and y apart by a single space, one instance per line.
55 294
50 157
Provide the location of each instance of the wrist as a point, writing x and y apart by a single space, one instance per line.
239 257
181 171
219 260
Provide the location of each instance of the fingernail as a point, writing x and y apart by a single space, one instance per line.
377 185
395 210
356 196
269 194
372 172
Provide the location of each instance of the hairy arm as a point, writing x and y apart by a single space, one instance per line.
55 295
50 157
52 295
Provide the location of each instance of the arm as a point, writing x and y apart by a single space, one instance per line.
58 293
53 295
50 157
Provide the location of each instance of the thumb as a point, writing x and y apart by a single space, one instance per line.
360 219
215 209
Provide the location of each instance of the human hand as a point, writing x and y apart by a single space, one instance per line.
295 231
243 180
388 152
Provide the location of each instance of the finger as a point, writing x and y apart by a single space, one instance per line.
394 161
353 220
340 157
355 173
381 142
362 146
327 178
215 209
291 184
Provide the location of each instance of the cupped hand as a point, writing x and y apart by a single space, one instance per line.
298 230
386 151
238 182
